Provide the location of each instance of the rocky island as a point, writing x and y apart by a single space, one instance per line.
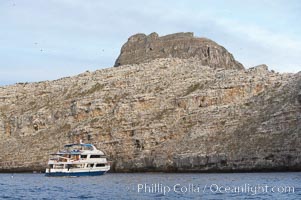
175 103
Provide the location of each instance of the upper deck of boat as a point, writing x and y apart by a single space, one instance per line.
80 148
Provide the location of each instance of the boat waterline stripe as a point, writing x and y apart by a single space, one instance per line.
76 173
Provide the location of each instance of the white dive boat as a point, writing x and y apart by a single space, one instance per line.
78 160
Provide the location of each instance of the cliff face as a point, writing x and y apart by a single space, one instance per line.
141 48
169 114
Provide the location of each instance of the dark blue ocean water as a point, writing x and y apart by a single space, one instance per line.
153 186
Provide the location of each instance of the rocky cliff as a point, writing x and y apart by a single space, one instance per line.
168 114
141 48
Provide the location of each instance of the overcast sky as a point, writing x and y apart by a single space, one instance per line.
49 39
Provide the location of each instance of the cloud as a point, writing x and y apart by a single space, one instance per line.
280 50
261 35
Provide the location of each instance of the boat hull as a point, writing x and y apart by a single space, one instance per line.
56 174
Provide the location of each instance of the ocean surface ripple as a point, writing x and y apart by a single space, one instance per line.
153 186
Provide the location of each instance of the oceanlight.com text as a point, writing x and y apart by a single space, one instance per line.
165 189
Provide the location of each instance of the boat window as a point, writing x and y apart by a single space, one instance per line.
83 156
100 165
51 166
90 165
59 166
77 165
94 156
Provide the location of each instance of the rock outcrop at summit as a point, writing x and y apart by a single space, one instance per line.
168 114
141 48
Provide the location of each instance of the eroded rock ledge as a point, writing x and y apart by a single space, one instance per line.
141 48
